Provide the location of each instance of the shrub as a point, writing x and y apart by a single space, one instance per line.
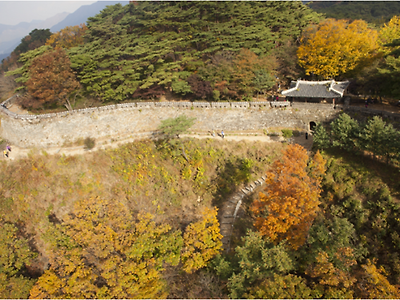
89 143
273 133
287 133
296 133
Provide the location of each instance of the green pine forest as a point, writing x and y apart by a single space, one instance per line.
143 220
212 51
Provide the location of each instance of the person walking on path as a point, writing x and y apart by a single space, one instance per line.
8 148
222 134
5 153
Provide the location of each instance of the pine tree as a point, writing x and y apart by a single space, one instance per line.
320 137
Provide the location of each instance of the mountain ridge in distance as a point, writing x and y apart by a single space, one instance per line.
11 35
82 14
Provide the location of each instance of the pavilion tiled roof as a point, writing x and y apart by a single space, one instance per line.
316 89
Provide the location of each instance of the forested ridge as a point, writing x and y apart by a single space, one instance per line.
201 50
214 51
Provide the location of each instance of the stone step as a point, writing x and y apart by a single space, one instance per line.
229 210
227 222
226 229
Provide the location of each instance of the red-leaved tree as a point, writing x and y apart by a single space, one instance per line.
51 79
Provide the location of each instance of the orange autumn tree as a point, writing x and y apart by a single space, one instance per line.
51 79
289 205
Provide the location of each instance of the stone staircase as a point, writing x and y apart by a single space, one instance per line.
229 211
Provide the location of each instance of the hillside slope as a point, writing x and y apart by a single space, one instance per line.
146 48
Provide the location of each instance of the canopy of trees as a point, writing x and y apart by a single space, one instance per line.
224 51
142 50
15 255
375 136
85 218
101 251
380 78
159 44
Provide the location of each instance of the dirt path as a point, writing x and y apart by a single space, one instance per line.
17 152
301 140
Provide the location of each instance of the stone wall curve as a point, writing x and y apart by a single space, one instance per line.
142 119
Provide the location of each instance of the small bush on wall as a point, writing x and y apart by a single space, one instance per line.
89 143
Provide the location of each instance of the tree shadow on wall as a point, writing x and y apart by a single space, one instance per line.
233 173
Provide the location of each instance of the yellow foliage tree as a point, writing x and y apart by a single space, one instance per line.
281 287
289 205
334 282
388 33
70 36
373 284
101 251
202 241
335 47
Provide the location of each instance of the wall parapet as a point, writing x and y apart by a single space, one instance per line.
113 122
152 104
199 105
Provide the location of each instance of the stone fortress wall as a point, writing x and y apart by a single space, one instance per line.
141 119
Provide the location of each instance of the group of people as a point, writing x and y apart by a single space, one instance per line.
222 133
7 151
